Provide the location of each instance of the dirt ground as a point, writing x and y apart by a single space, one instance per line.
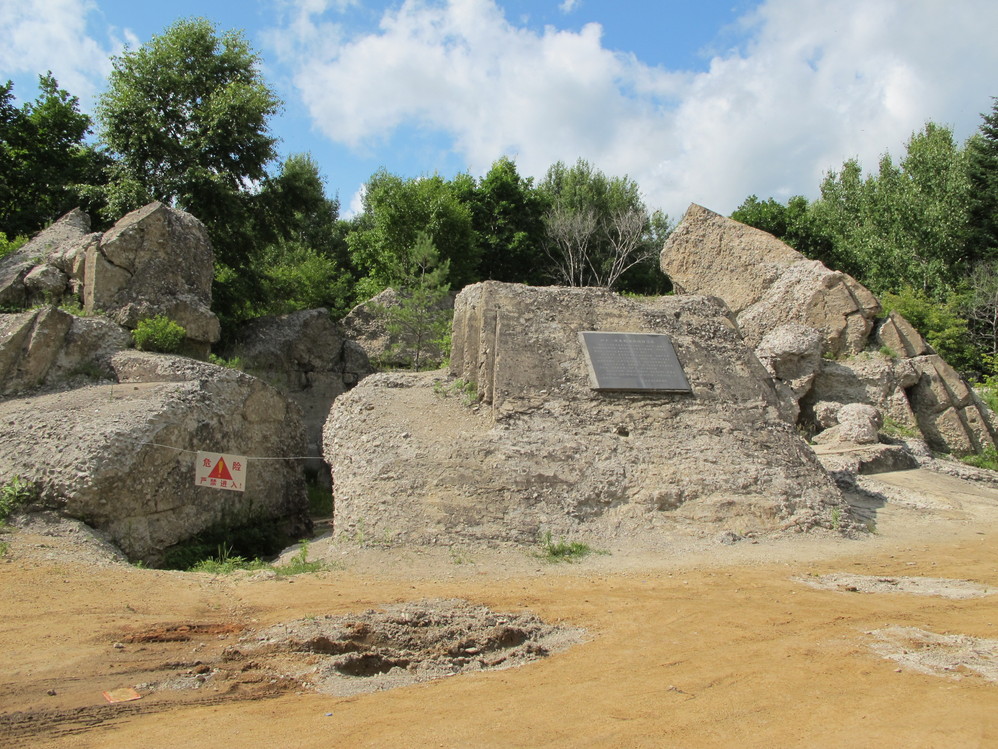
809 641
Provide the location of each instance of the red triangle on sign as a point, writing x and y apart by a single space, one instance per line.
220 471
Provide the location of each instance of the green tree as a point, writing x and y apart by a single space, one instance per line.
597 227
507 215
396 211
941 322
44 157
795 224
185 115
420 323
907 225
983 175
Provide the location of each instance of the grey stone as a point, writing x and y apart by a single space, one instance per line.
541 450
154 261
307 356
120 456
878 362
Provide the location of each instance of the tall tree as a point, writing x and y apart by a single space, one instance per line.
983 173
597 226
44 157
185 116
396 211
507 214
907 225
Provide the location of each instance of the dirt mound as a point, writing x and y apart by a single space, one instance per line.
407 644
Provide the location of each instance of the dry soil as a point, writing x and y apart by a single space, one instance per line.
808 641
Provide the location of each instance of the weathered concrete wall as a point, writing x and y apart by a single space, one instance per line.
542 450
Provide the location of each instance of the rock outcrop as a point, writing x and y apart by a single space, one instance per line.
51 266
308 357
519 442
154 261
47 347
778 296
120 456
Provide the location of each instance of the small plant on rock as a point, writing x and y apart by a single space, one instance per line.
160 334
13 495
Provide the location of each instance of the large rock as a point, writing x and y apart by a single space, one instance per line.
50 266
121 456
48 347
308 357
541 450
154 261
868 359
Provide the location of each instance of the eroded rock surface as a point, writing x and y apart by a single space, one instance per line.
154 261
528 446
777 295
308 357
120 456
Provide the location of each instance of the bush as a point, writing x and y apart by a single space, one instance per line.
160 334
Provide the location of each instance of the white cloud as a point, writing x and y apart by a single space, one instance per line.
817 82
567 6
52 35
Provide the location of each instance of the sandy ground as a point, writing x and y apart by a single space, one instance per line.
773 643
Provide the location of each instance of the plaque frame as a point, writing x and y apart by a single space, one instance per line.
633 362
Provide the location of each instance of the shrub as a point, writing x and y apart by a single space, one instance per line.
159 334
14 494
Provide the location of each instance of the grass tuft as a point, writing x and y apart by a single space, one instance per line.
563 551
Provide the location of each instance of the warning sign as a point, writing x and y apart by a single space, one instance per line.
220 471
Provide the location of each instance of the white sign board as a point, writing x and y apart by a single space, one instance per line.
220 471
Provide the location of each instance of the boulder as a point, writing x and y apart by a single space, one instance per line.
154 261
308 357
50 266
120 456
869 359
516 441
49 347
857 423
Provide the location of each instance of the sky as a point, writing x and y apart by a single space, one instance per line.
704 101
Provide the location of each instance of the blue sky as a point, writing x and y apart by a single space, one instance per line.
705 101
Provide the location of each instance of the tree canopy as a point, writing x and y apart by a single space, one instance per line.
44 157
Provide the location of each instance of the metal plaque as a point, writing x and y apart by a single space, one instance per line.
644 362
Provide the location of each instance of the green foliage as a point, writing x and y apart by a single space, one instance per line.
248 540
897 429
10 246
43 157
562 551
225 562
320 500
796 224
983 198
14 494
186 115
421 320
939 322
160 334
507 215
466 389
988 458
396 213
908 224
299 564
597 227
232 363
